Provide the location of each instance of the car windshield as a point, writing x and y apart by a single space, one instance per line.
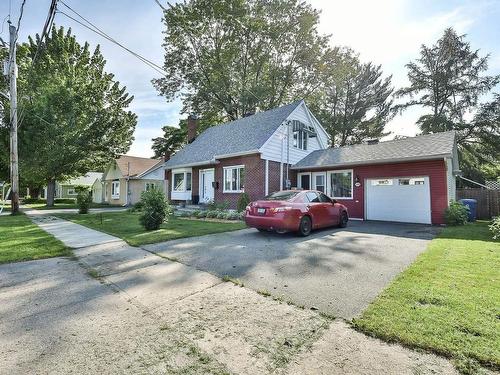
281 196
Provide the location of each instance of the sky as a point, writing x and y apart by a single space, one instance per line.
387 32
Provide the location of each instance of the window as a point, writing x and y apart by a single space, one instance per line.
324 199
319 182
182 181
411 181
385 182
281 196
305 181
71 191
341 184
115 190
312 196
234 179
300 134
150 186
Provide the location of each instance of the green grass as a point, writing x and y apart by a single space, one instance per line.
43 206
447 301
126 226
20 240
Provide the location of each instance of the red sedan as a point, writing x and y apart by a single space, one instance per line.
295 211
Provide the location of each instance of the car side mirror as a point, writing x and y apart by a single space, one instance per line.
334 201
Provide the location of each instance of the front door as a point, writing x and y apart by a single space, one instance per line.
206 185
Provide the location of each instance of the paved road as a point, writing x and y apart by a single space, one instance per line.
339 271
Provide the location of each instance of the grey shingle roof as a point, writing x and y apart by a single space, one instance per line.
420 147
239 136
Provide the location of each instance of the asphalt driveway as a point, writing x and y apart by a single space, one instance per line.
337 271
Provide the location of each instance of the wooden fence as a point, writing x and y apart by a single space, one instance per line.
488 201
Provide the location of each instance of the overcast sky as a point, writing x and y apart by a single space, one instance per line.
387 32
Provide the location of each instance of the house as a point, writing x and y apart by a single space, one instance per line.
406 180
253 155
128 176
67 189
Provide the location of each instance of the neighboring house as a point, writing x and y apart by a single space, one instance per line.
67 189
406 180
128 176
249 155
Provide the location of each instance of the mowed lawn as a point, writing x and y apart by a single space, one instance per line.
447 301
126 226
43 206
20 240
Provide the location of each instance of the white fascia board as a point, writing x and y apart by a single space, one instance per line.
243 153
208 162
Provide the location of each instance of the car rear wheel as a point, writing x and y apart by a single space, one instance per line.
305 226
262 230
343 220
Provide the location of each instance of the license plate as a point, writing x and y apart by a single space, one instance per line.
261 210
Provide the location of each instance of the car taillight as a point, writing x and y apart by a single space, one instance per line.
275 210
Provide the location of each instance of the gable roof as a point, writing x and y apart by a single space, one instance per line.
86 180
247 134
429 146
136 164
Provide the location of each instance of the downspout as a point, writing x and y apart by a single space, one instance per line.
287 154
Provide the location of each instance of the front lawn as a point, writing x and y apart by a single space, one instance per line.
20 239
43 206
448 301
126 226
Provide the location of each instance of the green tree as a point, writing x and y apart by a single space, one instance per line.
172 140
229 57
448 80
74 116
354 101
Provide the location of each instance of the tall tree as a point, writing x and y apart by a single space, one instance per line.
449 80
74 116
228 57
172 140
353 101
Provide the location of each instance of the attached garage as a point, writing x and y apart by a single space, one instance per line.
408 180
405 199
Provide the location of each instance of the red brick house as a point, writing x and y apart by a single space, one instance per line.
253 155
407 180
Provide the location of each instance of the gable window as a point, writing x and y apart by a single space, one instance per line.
300 135
115 190
234 179
341 184
182 181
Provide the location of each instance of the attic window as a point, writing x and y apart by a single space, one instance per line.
301 134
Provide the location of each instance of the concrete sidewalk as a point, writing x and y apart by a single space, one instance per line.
141 313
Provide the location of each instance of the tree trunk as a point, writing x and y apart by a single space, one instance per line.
51 192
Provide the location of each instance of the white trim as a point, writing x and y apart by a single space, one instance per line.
209 162
281 176
299 180
200 181
257 151
117 183
224 190
266 189
183 171
313 181
328 182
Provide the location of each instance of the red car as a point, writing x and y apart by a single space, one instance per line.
295 211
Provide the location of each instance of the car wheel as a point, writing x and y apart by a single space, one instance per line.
343 220
262 230
305 226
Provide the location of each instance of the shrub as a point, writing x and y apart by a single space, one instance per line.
212 206
155 209
201 214
212 214
30 200
194 213
495 228
243 202
83 200
456 214
65 200
221 215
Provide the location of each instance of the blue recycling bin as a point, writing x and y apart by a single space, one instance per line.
472 204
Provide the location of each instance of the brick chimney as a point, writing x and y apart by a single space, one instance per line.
192 128
166 156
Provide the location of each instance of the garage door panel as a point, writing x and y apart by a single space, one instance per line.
394 199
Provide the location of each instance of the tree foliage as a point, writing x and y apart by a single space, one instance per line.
73 112
353 101
448 79
228 57
173 139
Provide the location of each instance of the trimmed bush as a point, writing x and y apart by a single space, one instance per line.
243 202
221 215
65 200
155 209
201 214
30 200
456 214
83 200
495 228
212 214
195 213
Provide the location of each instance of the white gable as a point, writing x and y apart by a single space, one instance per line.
112 172
155 174
276 146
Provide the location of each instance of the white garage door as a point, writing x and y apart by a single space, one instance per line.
398 199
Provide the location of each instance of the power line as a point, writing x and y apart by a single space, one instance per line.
91 26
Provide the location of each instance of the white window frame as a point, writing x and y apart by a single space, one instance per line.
299 179
313 183
329 183
152 185
116 189
71 191
184 185
238 177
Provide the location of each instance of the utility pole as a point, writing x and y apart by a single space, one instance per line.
14 164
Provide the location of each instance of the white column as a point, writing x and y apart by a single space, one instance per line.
267 177
281 176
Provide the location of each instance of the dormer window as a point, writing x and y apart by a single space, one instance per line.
301 134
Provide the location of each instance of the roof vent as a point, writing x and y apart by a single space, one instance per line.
372 141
